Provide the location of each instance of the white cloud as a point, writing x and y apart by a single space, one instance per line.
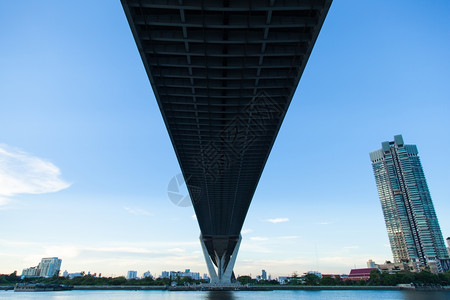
258 238
176 250
194 217
289 237
62 251
137 211
23 244
254 247
337 259
351 247
246 230
3 201
278 220
121 250
323 223
23 173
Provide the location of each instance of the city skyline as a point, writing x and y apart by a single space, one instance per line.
86 160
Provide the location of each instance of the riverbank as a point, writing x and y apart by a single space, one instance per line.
245 288
260 288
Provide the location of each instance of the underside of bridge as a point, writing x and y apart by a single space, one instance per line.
223 73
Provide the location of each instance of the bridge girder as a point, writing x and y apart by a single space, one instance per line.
224 73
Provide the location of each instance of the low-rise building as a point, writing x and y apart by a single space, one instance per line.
318 274
30 272
360 274
74 275
392 268
283 279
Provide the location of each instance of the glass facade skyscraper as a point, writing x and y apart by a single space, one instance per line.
411 222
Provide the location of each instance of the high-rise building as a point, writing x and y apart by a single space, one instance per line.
448 245
411 222
147 275
264 275
131 275
49 266
370 264
165 274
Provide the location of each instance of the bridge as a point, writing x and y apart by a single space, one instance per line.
224 73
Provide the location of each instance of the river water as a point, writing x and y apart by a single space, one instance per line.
232 295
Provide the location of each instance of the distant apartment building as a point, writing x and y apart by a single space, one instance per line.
411 221
165 274
370 264
147 275
30 272
48 267
131 275
264 275
186 273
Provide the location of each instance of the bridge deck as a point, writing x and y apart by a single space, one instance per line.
224 73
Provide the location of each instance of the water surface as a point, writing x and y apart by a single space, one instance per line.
228 295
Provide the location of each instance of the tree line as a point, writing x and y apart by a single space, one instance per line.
377 278
12 279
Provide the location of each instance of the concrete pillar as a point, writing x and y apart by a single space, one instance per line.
221 276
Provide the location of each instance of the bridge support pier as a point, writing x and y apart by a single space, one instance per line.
220 270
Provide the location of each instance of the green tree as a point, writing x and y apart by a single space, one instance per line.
375 277
119 281
329 281
444 278
425 277
268 282
311 279
245 279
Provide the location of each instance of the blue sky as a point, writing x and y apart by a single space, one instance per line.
85 159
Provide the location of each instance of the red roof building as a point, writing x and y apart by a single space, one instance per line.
360 274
